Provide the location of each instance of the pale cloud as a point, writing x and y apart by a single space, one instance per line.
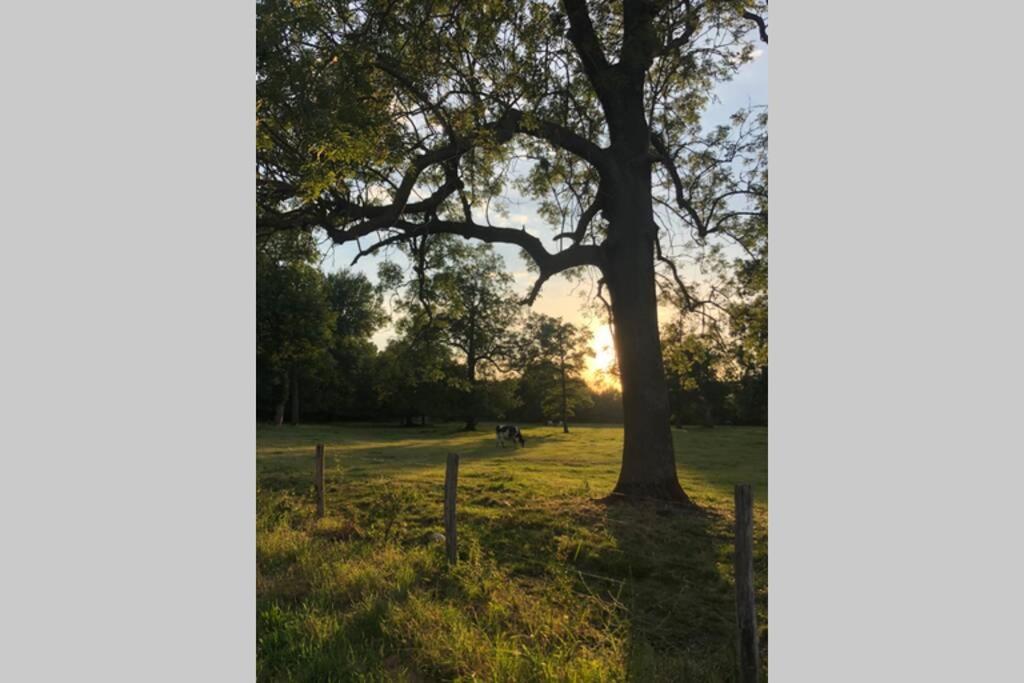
519 218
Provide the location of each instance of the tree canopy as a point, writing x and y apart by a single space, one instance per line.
385 119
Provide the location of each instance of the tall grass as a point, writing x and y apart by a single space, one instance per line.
551 585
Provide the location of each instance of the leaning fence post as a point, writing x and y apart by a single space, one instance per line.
746 615
451 477
319 480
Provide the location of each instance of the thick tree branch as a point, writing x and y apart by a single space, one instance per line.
762 28
607 304
639 41
584 38
337 210
548 263
558 136
334 210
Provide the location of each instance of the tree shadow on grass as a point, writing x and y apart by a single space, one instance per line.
677 596
661 576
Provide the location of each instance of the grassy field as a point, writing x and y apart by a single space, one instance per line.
551 584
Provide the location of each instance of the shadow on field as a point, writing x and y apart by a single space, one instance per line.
676 593
657 576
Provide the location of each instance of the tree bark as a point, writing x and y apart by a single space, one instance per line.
471 397
648 457
565 423
282 401
295 398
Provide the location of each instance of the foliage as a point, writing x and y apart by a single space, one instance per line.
313 331
293 318
349 94
605 405
346 386
694 367
357 304
415 375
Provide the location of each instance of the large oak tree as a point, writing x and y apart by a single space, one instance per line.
384 120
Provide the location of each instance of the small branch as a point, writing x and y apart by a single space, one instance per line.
535 290
666 159
393 239
689 27
690 303
581 225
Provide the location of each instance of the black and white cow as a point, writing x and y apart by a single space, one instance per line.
509 433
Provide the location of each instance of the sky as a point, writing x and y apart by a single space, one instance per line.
560 297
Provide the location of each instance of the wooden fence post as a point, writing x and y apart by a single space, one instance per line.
320 480
746 613
451 478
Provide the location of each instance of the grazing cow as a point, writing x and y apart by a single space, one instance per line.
509 433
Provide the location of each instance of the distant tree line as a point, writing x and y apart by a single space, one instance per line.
464 349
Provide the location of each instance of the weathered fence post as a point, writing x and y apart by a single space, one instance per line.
746 614
451 478
319 480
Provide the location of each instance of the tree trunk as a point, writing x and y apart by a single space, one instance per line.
648 458
471 397
565 423
282 401
295 398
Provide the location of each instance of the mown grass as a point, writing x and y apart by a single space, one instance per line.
551 584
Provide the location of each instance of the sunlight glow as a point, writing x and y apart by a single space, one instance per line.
600 366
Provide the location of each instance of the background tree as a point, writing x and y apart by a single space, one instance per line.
395 119
695 368
464 293
346 388
748 313
415 375
716 349
480 311
557 351
293 319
